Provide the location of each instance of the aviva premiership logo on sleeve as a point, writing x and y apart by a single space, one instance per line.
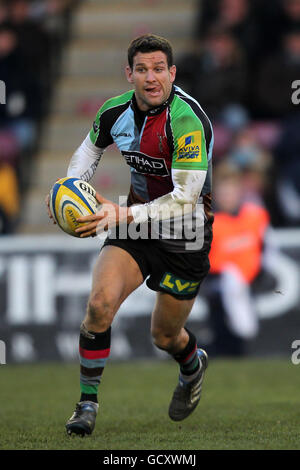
189 148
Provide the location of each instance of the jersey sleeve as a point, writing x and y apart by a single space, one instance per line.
100 132
188 140
85 160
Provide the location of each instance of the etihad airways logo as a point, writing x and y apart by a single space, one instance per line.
145 164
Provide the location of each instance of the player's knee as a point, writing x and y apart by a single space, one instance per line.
162 340
101 310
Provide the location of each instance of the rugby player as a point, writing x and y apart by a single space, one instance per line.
166 139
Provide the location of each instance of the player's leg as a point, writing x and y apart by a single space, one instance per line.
116 274
168 320
168 332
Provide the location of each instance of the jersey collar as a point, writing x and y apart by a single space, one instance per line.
154 111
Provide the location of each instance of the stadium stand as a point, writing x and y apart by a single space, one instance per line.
243 61
32 37
225 52
92 71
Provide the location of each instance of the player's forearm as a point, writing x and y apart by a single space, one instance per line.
182 200
85 160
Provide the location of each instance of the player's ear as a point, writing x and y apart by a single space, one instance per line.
128 73
172 71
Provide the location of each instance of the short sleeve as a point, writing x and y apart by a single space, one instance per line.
189 139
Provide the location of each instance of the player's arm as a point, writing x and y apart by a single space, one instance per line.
182 200
187 188
189 168
83 164
86 158
110 215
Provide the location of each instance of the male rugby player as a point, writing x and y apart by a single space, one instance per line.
166 139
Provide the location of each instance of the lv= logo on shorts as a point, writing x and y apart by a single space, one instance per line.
178 286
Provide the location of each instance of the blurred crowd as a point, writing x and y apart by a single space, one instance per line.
242 64
244 69
32 36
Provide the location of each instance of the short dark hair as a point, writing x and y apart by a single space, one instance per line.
150 43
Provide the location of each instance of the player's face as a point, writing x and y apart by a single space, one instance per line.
152 79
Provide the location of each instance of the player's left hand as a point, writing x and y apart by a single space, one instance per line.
108 216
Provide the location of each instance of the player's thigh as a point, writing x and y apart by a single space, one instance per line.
116 274
170 314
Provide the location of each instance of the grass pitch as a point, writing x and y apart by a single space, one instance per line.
246 404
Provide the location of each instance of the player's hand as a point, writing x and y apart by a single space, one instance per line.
108 216
47 202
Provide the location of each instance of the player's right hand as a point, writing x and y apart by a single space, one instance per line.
47 202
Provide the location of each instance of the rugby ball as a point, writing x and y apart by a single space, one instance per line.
71 198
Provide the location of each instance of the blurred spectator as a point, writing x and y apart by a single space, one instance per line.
3 11
291 14
287 169
9 198
22 98
215 74
236 261
41 10
238 16
32 35
34 44
272 96
9 185
55 17
254 163
245 58
276 18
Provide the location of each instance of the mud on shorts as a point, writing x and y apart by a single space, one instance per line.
178 274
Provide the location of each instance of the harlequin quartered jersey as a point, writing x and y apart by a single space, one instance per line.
155 144
177 134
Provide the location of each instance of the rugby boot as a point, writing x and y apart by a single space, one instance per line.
187 395
83 419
